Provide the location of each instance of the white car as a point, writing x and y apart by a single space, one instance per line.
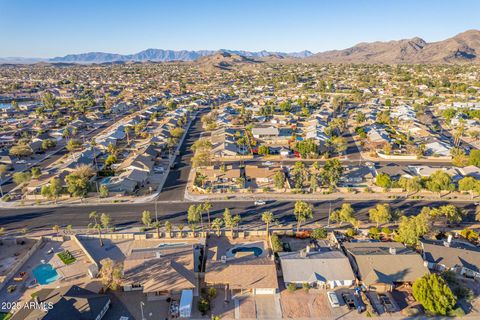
259 203
333 299
267 163
22 161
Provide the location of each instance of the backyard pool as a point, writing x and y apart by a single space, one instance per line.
45 273
255 250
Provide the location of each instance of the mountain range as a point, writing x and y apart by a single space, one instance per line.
462 48
160 55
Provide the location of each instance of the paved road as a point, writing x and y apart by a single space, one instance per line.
174 187
125 215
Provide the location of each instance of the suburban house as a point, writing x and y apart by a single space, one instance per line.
460 257
265 132
241 266
162 270
320 268
221 177
261 176
381 266
470 171
357 176
70 302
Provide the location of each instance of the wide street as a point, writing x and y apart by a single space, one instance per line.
171 205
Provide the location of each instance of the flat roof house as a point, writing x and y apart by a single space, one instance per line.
380 266
324 268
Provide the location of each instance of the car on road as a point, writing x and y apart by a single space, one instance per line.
259 202
369 164
22 161
267 163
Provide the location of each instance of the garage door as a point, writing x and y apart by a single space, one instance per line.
264 291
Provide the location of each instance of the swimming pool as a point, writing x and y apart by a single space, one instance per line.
255 250
45 273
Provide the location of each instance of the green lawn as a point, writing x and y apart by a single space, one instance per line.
5 316
67 257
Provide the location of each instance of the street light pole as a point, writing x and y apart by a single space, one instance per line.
141 308
329 211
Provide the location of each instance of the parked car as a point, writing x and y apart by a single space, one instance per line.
259 202
333 299
349 301
387 304
267 163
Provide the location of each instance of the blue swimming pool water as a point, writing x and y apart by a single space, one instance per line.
256 250
45 273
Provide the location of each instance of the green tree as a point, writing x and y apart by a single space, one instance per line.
344 214
267 218
110 273
217 225
106 221
380 214
193 214
440 181
277 245
411 229
383 180
95 224
36 172
263 150
230 221
20 150
21 177
413 184
207 206
111 159
279 180
103 191
332 172
302 211
168 227
469 184
474 158
147 218
73 145
319 233
450 212
434 294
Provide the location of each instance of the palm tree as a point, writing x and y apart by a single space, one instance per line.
207 206
267 218
217 225
56 229
157 225
168 227
95 225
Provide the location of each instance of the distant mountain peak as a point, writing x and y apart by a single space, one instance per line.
462 48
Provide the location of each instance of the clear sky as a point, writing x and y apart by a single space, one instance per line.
46 28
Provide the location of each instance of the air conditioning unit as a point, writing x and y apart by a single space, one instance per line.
223 259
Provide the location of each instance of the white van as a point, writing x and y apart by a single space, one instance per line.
333 299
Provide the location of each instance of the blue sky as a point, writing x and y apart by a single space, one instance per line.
46 28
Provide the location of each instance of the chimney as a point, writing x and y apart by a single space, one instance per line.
392 250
